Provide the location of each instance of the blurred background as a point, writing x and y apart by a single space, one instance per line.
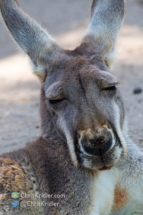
67 21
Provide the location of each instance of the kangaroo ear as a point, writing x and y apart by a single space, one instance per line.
32 38
101 35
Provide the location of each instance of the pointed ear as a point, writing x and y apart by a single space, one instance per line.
32 38
101 35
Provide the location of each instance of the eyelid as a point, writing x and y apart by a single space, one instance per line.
113 88
55 101
54 93
108 86
55 97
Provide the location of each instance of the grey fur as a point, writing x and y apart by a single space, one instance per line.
32 38
103 30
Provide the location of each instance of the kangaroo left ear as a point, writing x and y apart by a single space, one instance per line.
31 37
101 35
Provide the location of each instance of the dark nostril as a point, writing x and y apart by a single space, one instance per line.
101 149
92 151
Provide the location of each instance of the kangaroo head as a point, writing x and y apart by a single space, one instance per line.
80 101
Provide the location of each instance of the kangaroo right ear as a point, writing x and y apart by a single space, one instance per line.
32 38
101 35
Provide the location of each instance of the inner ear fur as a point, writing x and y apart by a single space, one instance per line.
101 35
30 36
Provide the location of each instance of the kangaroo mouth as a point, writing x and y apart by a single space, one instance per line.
105 168
100 158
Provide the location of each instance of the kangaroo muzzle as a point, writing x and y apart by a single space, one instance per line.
96 143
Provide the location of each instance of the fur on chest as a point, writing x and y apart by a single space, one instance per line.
102 191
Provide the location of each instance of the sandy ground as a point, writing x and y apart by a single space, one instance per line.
66 20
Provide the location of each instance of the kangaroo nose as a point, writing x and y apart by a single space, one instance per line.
98 146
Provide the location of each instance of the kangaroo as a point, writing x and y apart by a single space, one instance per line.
84 162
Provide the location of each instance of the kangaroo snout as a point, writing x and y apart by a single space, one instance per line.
101 149
96 143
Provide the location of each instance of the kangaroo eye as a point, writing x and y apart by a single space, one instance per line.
55 101
113 88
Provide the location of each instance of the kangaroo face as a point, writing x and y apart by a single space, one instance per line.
80 102
87 111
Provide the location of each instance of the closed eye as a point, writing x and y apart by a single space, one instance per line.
113 88
55 101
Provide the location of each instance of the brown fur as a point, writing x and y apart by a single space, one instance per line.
120 198
38 166
16 174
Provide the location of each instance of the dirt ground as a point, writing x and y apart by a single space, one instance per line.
66 20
